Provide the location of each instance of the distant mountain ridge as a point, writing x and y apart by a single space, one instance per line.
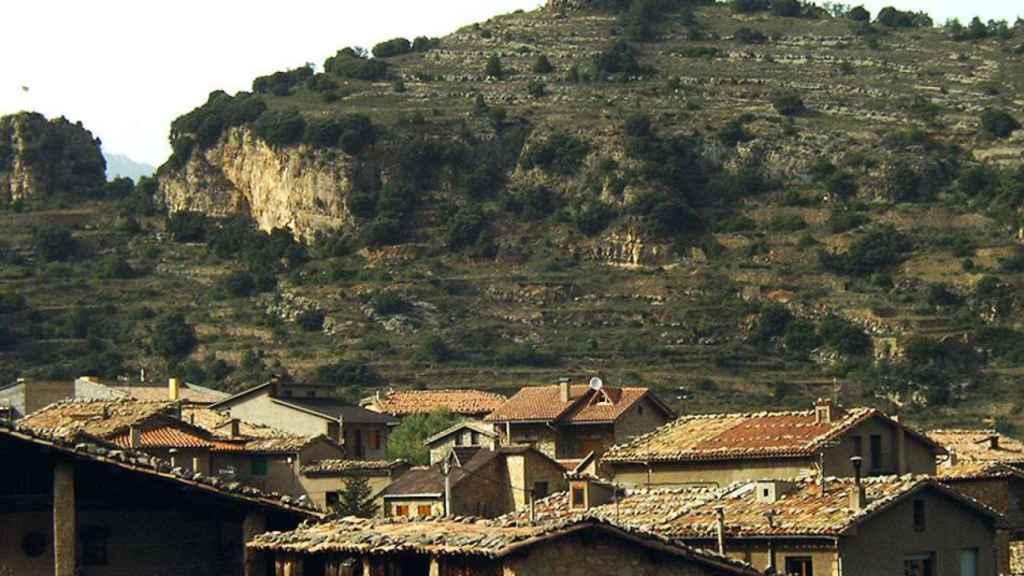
121 166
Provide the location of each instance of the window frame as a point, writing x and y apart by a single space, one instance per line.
401 510
806 561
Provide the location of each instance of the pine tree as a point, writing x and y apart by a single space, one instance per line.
356 499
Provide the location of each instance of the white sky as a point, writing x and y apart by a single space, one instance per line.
127 68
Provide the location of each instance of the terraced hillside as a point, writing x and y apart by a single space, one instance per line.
739 209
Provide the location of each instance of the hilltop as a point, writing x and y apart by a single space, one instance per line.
736 207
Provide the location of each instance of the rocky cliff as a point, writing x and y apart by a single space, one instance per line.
293 188
40 158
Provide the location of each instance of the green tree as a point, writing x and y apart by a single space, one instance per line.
393 47
543 65
494 67
356 499
406 441
173 337
55 244
859 14
998 123
789 104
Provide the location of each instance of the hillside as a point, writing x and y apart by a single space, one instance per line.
739 209
121 166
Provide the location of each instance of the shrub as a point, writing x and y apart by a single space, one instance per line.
187 226
425 44
239 284
939 295
788 104
311 320
843 221
619 58
466 227
859 14
525 355
771 323
536 88
393 47
874 252
388 303
115 267
750 36
406 441
433 348
841 185
12 302
749 6
532 203
345 373
281 83
787 8
354 64
1014 263
733 133
787 223
845 337
978 180
998 123
281 128
173 337
893 18
801 338
8 338
494 67
593 216
55 244
542 65
560 154
666 215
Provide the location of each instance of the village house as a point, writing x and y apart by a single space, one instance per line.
308 411
23 398
323 481
78 505
466 434
720 449
568 421
468 404
907 525
354 547
978 446
481 482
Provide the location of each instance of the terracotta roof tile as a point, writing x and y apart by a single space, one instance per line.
543 403
162 437
742 436
463 402
99 418
338 465
186 393
978 471
976 445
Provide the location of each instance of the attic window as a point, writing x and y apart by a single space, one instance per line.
640 410
579 499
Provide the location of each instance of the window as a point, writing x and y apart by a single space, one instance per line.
858 445
423 510
540 490
375 440
969 562
458 439
401 510
333 498
334 431
876 453
474 438
919 565
259 466
94 545
579 497
919 520
640 410
799 566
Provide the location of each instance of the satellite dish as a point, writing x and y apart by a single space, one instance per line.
596 383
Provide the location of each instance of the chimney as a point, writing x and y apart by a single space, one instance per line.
823 411
275 388
564 390
235 432
993 441
172 389
858 497
720 528
953 460
134 437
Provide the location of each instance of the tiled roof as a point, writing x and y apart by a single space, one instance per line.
337 409
101 418
162 437
690 513
544 404
219 423
978 471
186 393
485 429
976 445
743 436
430 480
463 402
82 446
332 466
467 537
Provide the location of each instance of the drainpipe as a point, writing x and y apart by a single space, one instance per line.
720 528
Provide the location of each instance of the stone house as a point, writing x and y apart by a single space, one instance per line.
467 434
879 525
968 446
466 403
354 547
307 411
79 505
720 449
324 480
23 398
481 482
568 421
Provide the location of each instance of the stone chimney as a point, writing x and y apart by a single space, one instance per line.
771 491
824 411
953 460
993 441
564 390
134 437
173 393
275 388
235 428
858 496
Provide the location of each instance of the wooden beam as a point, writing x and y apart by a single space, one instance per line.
64 518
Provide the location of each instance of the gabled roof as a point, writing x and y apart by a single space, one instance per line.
585 406
978 471
471 537
480 427
342 466
464 402
801 510
975 445
82 446
336 410
100 418
755 435
186 393
430 480
219 423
